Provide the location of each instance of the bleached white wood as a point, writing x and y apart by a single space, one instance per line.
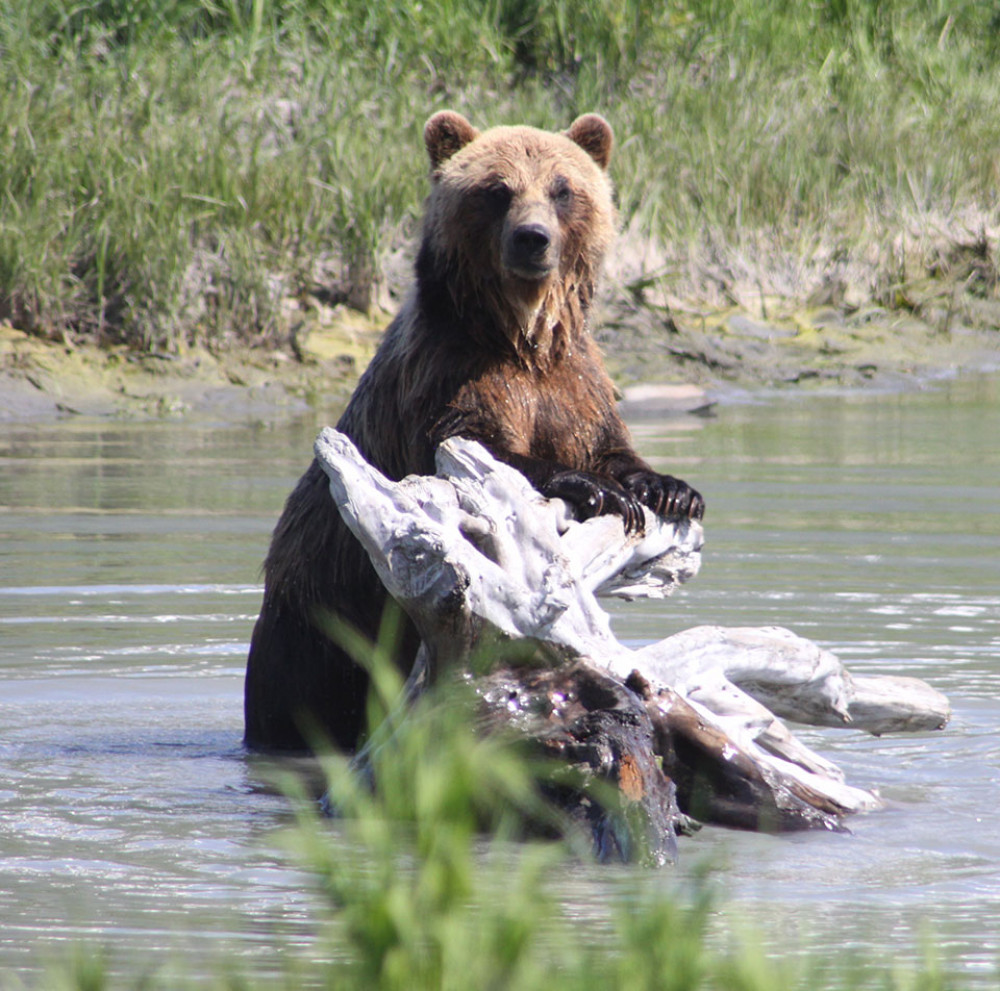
476 549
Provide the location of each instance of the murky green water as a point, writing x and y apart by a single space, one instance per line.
129 557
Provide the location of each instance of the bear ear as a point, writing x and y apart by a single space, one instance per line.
593 134
445 133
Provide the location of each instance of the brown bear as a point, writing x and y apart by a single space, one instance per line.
491 344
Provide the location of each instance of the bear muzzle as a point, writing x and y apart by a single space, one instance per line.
531 250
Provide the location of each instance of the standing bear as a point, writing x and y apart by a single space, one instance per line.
491 344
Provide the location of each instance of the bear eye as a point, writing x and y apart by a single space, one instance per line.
496 194
562 192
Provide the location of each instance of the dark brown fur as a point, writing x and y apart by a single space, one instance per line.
493 345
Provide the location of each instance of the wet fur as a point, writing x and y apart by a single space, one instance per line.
476 351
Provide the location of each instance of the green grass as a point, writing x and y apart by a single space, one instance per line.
422 885
428 884
173 172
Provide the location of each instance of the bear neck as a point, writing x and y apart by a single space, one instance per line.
497 317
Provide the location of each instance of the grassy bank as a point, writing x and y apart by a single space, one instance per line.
199 172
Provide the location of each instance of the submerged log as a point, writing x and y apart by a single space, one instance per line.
599 733
688 726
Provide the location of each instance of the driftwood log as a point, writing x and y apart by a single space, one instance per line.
686 728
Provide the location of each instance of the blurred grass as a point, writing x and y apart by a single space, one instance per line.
428 884
423 885
173 173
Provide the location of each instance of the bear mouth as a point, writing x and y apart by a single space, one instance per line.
531 271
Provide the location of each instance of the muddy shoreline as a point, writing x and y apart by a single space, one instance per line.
698 356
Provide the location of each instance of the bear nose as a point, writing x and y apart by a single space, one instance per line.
531 240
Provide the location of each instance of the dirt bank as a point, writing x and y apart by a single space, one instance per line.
43 380
815 347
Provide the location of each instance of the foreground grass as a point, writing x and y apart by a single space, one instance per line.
194 173
427 885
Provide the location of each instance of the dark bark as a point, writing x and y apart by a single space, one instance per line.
719 783
635 767
603 772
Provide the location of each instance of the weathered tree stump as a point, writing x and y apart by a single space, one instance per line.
600 732
686 727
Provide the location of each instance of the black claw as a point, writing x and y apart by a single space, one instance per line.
697 507
667 496
593 495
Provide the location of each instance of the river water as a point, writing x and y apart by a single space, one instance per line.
130 818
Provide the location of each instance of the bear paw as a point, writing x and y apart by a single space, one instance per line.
665 495
594 495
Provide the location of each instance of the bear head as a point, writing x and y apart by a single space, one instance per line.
517 224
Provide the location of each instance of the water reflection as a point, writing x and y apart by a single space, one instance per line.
129 581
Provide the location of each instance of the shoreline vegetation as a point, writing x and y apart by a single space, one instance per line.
216 195
230 191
